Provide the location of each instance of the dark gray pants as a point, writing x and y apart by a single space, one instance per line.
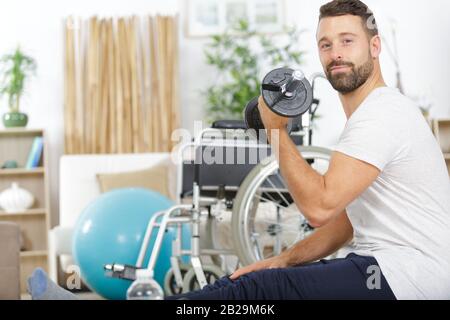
353 277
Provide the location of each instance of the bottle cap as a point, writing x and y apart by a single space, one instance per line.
144 274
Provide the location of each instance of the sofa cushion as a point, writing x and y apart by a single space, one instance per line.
154 178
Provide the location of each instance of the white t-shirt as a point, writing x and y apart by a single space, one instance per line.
403 218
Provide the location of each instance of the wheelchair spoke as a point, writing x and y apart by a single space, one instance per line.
269 196
277 236
277 191
257 246
289 226
276 204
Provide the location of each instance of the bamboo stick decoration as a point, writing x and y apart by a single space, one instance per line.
129 111
96 89
85 88
139 84
135 114
120 84
155 118
146 86
104 76
125 84
90 69
161 37
119 91
166 81
79 74
154 97
88 102
68 88
112 123
173 63
169 84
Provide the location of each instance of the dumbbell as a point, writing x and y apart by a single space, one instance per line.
287 93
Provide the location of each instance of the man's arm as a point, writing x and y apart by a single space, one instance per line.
321 197
323 242
318 197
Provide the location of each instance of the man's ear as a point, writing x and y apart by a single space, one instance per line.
375 46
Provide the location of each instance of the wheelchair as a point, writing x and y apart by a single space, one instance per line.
239 211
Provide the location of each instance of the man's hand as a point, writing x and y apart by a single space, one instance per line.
271 263
270 119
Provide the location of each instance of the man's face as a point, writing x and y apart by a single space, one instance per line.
344 52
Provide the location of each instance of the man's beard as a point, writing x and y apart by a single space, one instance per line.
350 81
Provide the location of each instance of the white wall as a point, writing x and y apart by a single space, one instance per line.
422 32
37 26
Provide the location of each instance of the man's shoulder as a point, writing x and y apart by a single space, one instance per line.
389 104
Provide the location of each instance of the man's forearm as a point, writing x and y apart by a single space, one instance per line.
306 185
321 243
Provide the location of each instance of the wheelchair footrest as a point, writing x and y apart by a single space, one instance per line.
121 271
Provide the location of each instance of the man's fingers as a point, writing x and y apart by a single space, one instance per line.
238 273
269 263
253 267
242 271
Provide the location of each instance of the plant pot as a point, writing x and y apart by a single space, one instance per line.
15 119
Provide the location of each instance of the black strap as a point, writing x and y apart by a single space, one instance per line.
271 87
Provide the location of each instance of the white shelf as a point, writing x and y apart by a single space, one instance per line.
21 171
34 253
20 131
29 212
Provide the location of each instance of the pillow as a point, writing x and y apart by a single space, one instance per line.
155 178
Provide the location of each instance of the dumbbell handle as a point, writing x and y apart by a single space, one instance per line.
292 83
287 90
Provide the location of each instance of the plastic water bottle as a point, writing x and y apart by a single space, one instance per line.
145 287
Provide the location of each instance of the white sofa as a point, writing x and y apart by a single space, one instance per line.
78 186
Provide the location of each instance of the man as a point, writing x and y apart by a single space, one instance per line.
387 188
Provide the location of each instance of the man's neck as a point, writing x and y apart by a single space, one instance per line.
352 100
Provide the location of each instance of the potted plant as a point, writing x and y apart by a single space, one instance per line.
14 71
242 56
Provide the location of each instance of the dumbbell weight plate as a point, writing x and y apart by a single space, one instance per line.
284 106
253 118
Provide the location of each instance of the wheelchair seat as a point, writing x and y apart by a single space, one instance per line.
229 124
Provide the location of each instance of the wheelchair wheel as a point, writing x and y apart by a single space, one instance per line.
265 219
212 273
170 285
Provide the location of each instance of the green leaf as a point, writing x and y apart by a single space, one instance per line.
14 70
239 56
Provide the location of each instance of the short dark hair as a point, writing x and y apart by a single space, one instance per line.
354 7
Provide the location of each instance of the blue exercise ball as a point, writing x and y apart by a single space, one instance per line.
111 230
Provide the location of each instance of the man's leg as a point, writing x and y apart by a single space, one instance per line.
328 279
41 287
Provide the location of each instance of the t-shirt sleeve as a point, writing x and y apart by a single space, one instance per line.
372 137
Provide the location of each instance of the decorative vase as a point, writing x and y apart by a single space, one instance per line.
15 119
16 199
